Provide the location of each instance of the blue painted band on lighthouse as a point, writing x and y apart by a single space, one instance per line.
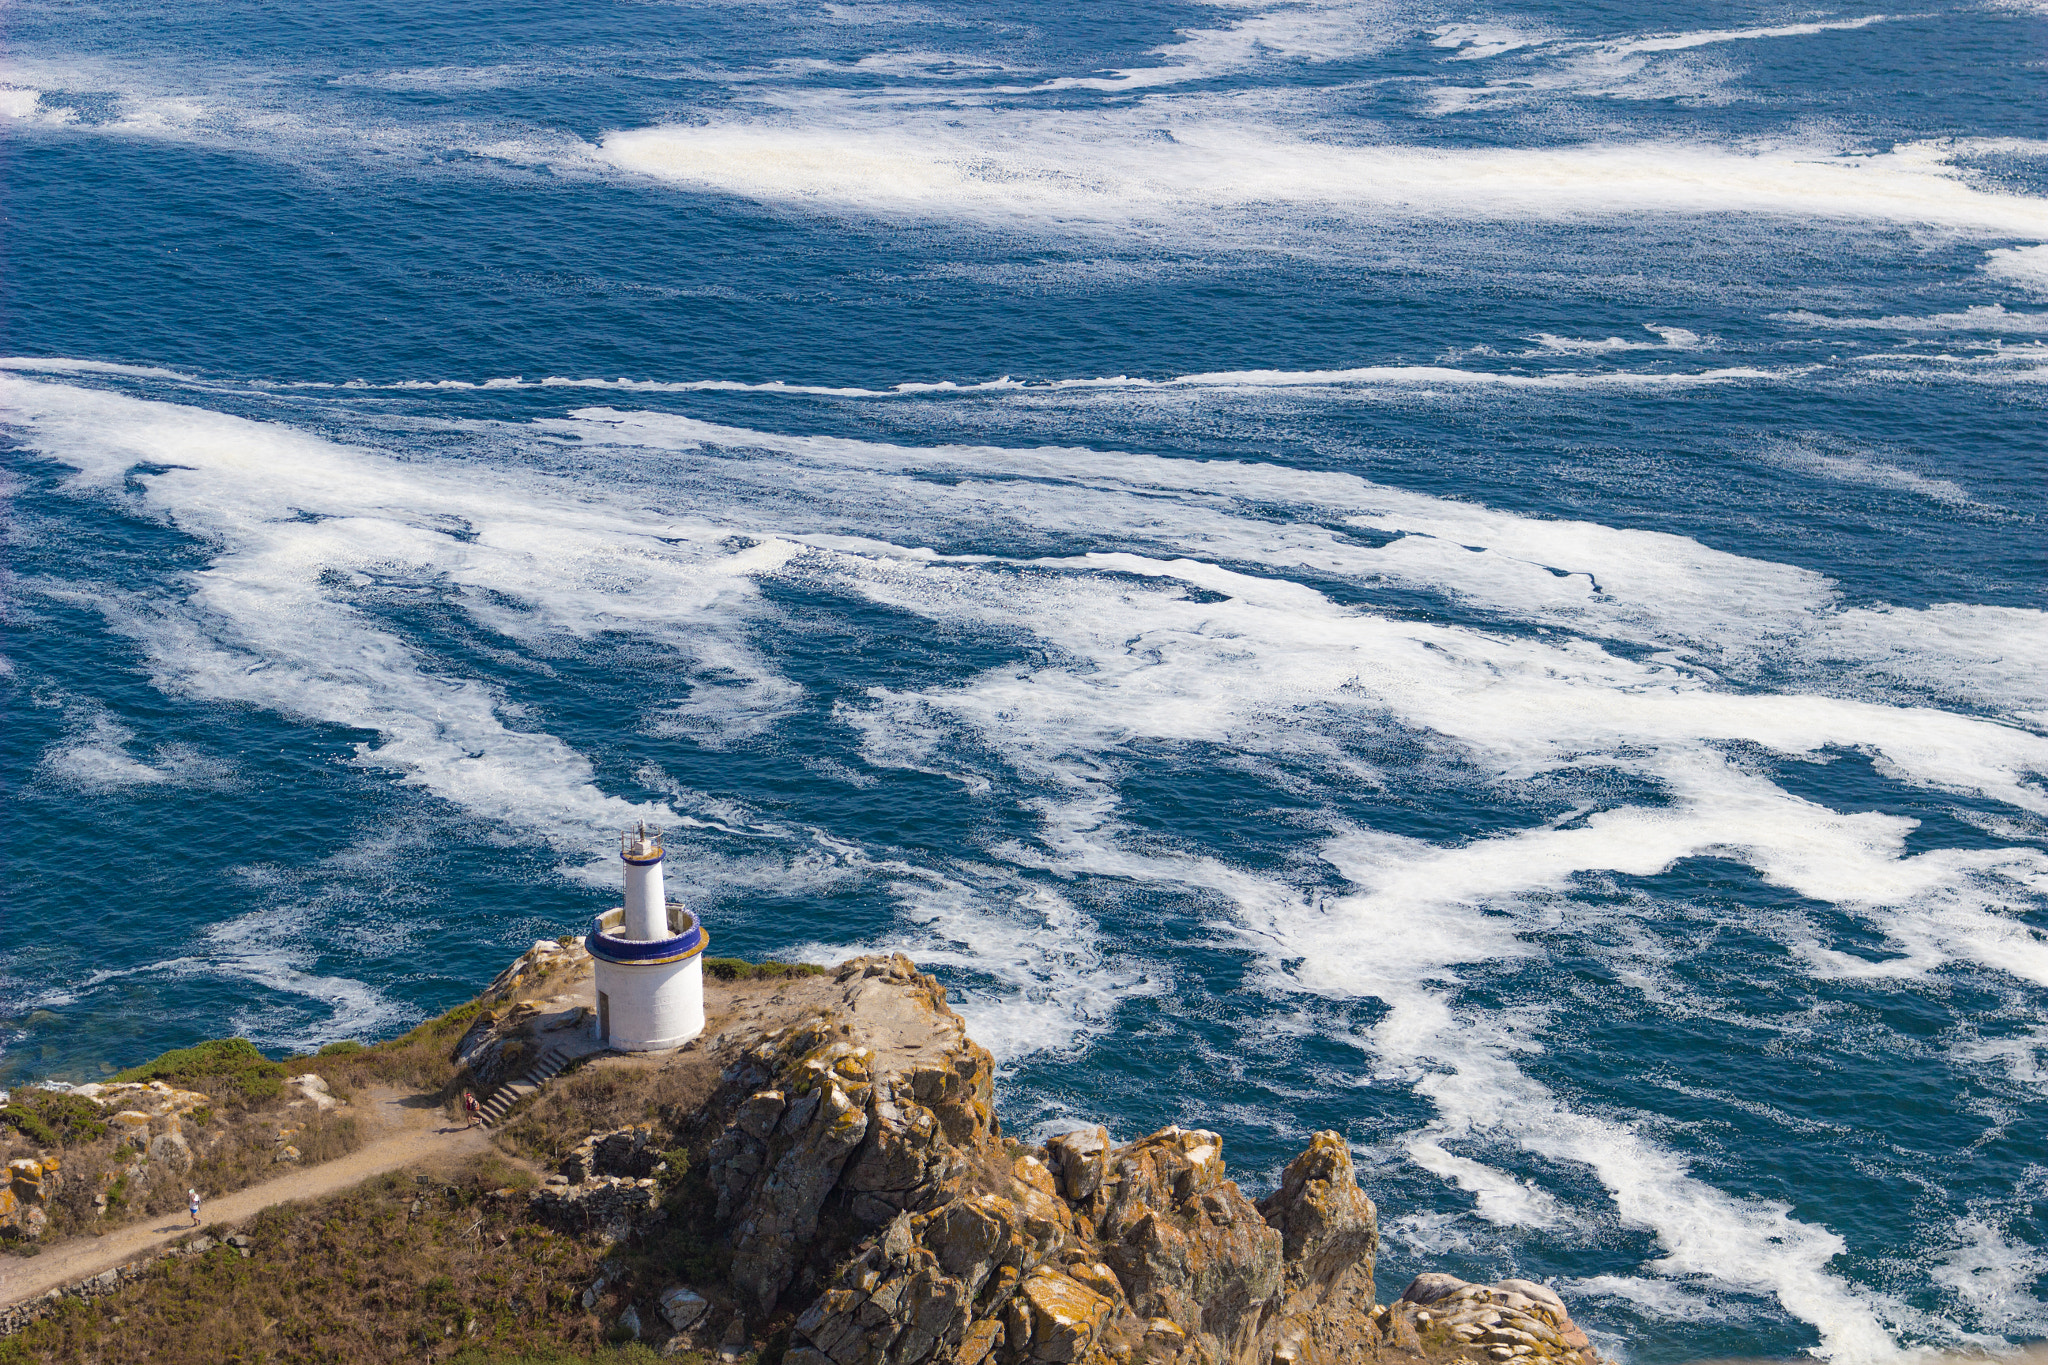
625 952
605 942
659 854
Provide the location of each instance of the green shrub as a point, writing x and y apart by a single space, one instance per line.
29 1125
341 1048
233 1064
76 1118
52 1118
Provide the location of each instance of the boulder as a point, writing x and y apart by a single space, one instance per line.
815 1136
1066 1317
1430 1286
172 1151
1329 1230
310 1089
1510 1320
1082 1156
682 1307
760 1113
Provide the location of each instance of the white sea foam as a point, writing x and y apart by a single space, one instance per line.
438 78
1049 168
65 365
1197 633
1668 339
260 626
1983 317
1311 33
1674 42
1993 1274
1859 468
1726 611
262 947
2025 266
1360 377
2019 1055
1639 67
1992 657
96 757
1473 42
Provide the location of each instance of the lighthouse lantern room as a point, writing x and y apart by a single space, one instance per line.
648 955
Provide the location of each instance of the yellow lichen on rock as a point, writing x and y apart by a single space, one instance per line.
1066 1316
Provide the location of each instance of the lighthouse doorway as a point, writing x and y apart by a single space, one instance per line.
604 1017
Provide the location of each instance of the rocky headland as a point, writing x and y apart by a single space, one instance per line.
822 1179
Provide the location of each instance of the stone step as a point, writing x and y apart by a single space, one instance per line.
544 1069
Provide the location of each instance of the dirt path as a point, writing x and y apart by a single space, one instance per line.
407 1131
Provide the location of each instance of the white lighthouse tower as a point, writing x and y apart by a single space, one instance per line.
649 958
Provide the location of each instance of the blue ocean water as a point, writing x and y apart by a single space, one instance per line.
1472 576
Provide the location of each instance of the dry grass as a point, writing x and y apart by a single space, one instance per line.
739 969
420 1060
607 1093
229 1152
392 1270
234 1140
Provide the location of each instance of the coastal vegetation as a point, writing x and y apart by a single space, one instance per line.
393 1269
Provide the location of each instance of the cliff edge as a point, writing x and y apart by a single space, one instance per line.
847 1170
819 1179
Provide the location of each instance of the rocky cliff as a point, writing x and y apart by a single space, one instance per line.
848 1170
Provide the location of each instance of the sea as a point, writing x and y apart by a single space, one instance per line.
1466 572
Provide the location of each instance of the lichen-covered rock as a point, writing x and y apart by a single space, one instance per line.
1079 1255
683 1307
858 1183
1508 1321
171 1150
810 1143
609 1205
1066 1317
1186 1244
31 1183
1082 1157
151 1099
1329 1230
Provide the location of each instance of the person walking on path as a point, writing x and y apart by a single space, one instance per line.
193 1195
469 1108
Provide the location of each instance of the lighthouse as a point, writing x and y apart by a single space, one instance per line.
649 957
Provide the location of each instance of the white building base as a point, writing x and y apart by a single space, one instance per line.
645 1008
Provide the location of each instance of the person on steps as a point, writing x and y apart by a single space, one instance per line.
469 1108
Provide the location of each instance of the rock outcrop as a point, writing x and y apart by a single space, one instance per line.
854 1167
31 1182
606 1185
847 1174
1507 1321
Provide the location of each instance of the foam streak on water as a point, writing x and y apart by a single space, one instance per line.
1471 577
